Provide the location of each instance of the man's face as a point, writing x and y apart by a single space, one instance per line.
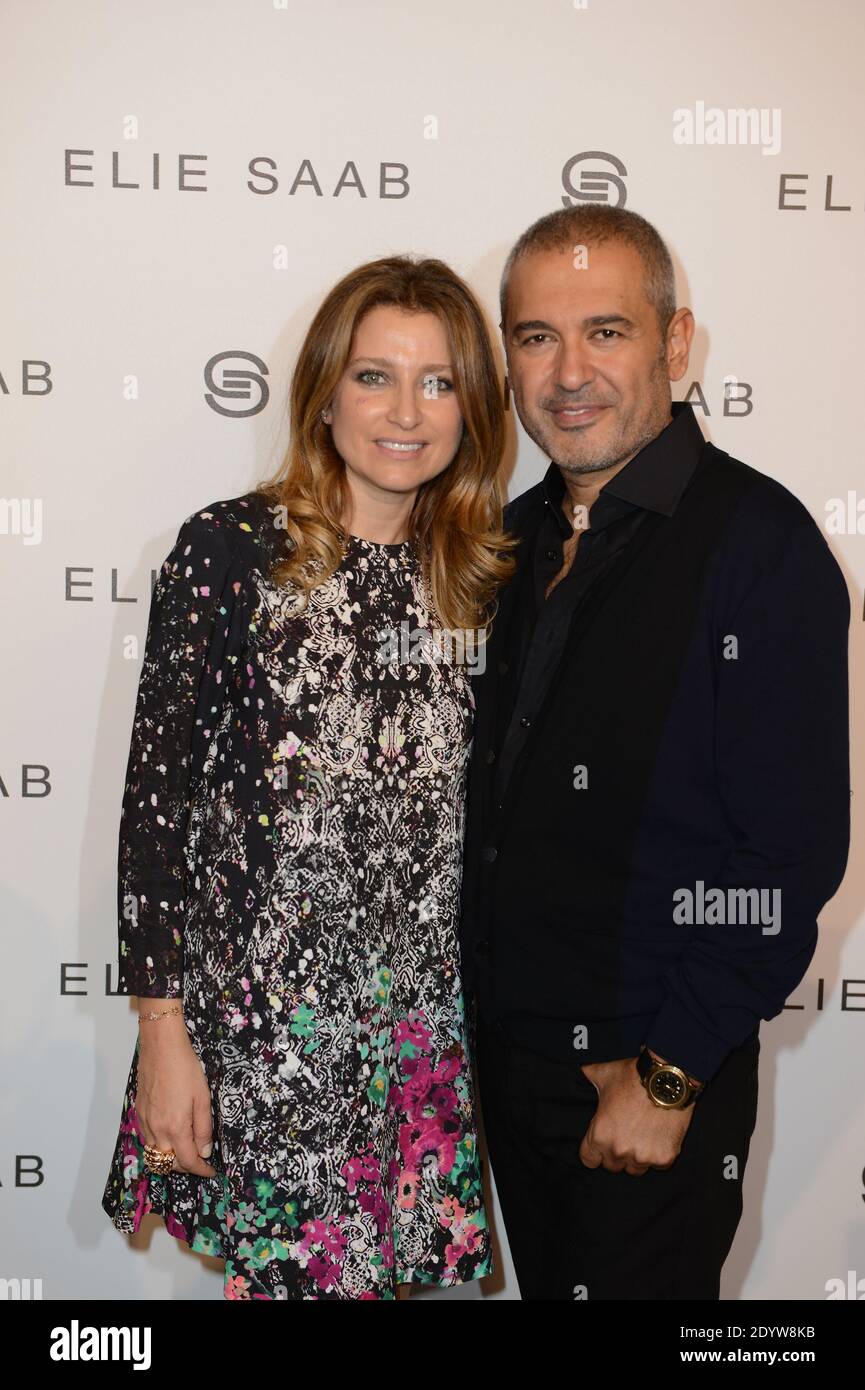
588 367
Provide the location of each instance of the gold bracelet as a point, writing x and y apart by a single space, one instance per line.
166 1013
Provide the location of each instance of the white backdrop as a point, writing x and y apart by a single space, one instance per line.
119 297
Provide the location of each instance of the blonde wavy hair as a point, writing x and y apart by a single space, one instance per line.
455 526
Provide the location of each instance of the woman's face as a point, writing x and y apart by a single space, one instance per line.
395 417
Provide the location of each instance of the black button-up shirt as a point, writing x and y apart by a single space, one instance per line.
653 480
570 938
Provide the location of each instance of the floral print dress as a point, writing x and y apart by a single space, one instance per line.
289 866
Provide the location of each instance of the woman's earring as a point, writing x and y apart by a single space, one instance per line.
324 417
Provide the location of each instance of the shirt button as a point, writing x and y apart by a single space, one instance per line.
525 721
491 757
503 668
489 853
551 554
482 947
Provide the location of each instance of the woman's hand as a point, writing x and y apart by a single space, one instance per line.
173 1098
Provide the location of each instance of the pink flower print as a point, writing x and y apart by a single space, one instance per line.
174 1227
411 1094
142 1203
315 1229
450 1211
362 1167
423 1137
469 1243
422 1086
133 1125
334 1241
326 1233
448 1068
237 1287
325 1272
465 1231
375 1204
407 1190
445 1101
412 1030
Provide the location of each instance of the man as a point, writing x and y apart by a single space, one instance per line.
659 789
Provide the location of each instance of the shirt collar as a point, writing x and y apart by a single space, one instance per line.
653 479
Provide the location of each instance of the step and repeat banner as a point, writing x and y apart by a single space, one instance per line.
181 184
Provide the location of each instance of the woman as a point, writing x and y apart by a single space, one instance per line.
291 832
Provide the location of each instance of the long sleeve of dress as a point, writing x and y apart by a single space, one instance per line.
183 679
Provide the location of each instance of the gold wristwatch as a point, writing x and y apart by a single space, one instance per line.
666 1085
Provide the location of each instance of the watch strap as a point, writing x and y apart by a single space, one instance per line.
647 1066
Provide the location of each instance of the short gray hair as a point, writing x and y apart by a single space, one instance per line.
590 226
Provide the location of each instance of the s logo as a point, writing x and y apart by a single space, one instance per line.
594 184
243 378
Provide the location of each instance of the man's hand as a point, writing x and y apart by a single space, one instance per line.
628 1133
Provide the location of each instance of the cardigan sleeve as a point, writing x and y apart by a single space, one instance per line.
783 775
181 688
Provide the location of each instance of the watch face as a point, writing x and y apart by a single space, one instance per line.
667 1087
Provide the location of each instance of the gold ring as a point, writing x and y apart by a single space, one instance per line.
158 1160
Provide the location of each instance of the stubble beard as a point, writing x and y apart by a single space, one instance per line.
629 442
618 452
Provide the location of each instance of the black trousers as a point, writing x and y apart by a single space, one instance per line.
586 1233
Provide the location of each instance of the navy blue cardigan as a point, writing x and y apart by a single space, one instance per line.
704 690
